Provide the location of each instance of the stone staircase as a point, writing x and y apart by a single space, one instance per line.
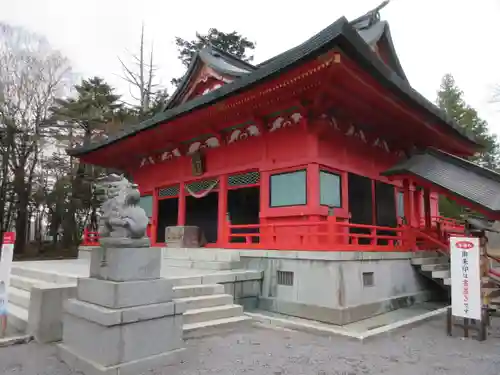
201 259
208 309
433 265
436 266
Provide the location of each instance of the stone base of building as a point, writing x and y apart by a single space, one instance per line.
341 316
336 287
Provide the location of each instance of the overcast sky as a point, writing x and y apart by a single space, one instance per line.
432 37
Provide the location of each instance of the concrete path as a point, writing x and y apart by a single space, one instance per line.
423 350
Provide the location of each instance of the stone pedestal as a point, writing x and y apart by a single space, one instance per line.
184 237
123 320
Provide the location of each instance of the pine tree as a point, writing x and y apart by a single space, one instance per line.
450 99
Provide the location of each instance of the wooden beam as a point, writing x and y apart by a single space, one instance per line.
407 113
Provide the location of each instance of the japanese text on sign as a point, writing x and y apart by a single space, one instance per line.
465 277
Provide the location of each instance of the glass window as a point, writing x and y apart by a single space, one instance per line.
288 189
401 204
329 189
146 202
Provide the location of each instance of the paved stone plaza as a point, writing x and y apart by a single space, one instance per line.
419 351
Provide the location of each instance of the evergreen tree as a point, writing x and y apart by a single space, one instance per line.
232 43
86 114
90 113
450 100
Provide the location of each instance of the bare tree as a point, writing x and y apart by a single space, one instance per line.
32 75
141 75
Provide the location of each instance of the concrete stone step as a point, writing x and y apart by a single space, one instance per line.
441 274
212 313
200 302
435 267
226 276
425 254
495 301
205 265
26 283
185 291
430 260
49 277
201 254
19 297
213 327
18 318
23 283
491 292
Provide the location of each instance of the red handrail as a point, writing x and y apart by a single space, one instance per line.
90 238
329 235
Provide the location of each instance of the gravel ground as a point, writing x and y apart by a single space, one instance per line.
422 350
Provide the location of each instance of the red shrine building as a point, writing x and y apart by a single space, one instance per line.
325 146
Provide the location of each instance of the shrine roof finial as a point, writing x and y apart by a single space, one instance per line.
369 18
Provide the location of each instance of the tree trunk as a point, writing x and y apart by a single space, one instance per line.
21 206
4 174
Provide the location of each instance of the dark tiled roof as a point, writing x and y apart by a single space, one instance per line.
341 33
461 177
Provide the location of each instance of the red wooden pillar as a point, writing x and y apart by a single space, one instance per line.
222 238
417 205
154 218
313 185
265 232
410 242
407 201
427 208
345 191
181 213
313 201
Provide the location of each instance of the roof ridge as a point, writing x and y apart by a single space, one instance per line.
228 54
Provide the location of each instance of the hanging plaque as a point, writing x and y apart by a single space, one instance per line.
197 163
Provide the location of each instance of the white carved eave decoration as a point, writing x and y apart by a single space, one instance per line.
212 88
380 143
241 134
356 133
168 155
284 122
164 156
147 160
212 142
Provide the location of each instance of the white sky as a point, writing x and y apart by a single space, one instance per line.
432 37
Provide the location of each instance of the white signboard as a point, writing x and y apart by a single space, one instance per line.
465 277
5 268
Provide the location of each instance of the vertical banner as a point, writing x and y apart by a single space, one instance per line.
465 277
5 267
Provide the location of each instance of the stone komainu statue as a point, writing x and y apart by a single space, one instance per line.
121 215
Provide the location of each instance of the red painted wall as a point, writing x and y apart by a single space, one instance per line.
284 150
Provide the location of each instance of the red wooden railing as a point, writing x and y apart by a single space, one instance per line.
90 238
329 235
445 224
437 237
